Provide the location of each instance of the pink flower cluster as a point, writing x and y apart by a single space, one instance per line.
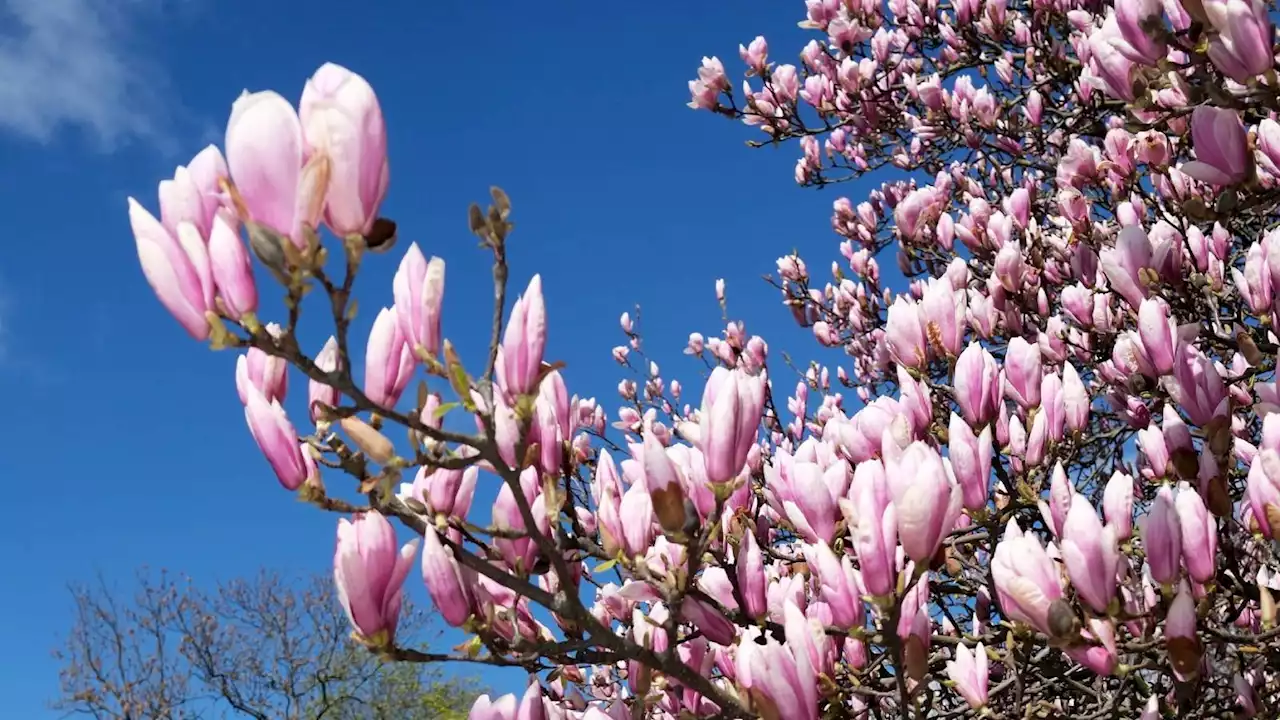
1052 486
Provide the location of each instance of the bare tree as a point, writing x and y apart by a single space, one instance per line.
263 647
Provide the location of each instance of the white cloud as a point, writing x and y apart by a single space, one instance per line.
75 63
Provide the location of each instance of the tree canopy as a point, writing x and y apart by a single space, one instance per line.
1033 472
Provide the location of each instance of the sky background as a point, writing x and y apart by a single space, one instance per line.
125 444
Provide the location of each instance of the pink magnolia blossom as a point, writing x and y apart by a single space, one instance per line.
369 572
970 674
342 121
1026 579
1222 152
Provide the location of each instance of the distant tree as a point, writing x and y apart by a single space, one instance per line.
263 647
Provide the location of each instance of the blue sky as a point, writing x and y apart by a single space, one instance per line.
125 443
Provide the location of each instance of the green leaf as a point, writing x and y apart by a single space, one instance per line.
458 378
444 409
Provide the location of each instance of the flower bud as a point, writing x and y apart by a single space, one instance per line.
341 119
369 573
520 357
1162 538
419 293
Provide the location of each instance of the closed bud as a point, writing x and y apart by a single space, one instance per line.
1117 504
905 332
977 385
450 594
268 373
1162 538
231 271
1199 535
733 402
369 441
1090 555
751 576
419 294
970 456
389 361
319 393
1075 399
1023 372
277 438
520 358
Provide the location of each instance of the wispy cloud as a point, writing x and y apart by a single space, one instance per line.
77 64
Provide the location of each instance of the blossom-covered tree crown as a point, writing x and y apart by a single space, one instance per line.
1040 479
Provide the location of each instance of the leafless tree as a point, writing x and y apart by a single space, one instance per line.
264 647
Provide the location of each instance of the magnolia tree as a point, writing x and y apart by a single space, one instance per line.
1041 481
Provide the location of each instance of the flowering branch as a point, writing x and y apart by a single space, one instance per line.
1050 490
